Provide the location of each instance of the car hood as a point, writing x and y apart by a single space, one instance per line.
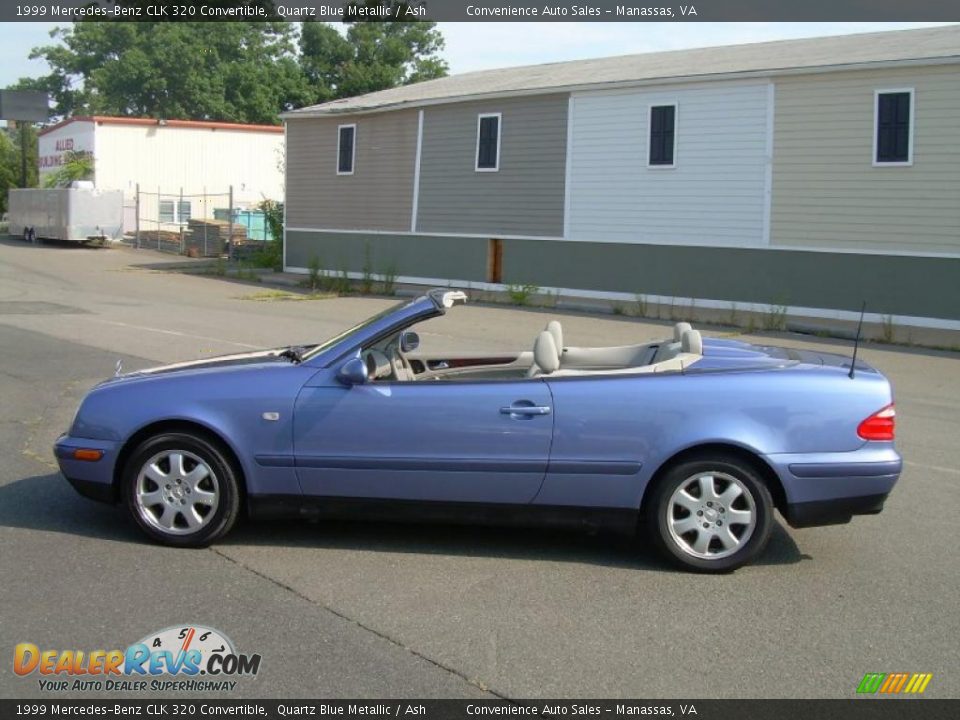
220 361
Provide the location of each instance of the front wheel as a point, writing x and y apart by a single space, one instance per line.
710 514
181 490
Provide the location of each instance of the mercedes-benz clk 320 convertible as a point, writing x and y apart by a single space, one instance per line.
694 441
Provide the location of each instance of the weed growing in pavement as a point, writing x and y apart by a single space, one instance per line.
521 294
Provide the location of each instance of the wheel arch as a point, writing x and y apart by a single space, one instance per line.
763 469
178 425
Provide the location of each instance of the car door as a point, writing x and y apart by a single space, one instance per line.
484 441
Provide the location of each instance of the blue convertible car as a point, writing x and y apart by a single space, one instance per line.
693 441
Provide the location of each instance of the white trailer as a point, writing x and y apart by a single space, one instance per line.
77 214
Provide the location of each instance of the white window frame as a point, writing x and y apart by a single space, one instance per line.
676 138
876 127
176 215
476 150
353 154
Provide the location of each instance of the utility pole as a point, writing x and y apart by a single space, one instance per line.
22 126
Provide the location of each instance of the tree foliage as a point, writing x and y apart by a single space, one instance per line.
9 168
230 71
371 56
77 165
10 160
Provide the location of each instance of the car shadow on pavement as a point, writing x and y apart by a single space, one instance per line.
47 503
602 548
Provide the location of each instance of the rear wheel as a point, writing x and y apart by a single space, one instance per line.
181 489
710 514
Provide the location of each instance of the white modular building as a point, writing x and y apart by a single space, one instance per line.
184 168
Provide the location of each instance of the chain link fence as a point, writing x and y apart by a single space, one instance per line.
194 224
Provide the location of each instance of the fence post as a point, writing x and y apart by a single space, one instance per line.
230 253
180 220
136 221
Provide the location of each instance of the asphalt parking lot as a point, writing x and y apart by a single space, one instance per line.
380 610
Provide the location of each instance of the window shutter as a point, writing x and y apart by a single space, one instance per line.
893 127
345 159
662 130
487 142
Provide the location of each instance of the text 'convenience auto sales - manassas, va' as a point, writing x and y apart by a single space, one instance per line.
173 659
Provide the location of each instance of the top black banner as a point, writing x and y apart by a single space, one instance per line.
485 10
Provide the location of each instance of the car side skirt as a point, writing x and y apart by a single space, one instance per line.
620 520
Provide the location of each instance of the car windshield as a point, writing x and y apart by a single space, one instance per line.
323 347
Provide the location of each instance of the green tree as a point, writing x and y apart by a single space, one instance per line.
9 168
233 71
10 160
77 165
370 56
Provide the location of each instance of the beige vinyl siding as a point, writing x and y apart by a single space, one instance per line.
826 192
379 193
524 197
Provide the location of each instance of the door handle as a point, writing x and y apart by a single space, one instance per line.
525 410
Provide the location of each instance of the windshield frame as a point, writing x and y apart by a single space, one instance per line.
328 344
389 320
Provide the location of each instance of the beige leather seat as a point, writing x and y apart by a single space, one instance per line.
688 338
546 358
691 343
555 329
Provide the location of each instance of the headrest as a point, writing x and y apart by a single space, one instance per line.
679 329
378 365
545 353
555 329
691 342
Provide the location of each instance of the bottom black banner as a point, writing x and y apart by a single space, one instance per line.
854 709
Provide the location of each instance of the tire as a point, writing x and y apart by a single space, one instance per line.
710 530
182 489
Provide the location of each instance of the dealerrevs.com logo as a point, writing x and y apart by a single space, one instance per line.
180 658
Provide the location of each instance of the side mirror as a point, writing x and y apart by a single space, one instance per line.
409 341
353 372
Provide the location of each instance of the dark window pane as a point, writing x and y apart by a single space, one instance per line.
662 129
487 142
345 159
893 127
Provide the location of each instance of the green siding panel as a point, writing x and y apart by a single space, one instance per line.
420 256
898 285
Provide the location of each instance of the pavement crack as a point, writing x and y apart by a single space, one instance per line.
378 633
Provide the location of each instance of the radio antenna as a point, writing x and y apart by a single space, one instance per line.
856 341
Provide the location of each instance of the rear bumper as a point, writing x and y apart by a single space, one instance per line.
831 488
832 512
92 479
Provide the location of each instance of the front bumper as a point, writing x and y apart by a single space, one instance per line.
92 479
831 488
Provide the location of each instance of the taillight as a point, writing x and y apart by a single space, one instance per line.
880 425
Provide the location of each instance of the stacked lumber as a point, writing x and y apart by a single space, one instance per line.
208 238
166 240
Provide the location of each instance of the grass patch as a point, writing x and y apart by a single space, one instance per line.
521 294
887 330
775 317
284 296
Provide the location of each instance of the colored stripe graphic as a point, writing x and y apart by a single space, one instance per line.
894 683
871 683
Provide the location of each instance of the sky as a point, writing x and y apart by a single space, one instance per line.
479 46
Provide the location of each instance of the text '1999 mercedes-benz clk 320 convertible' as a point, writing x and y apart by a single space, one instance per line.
692 442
